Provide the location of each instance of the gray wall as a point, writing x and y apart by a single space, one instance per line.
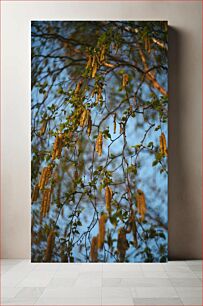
185 231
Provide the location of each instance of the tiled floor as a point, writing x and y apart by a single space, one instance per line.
174 283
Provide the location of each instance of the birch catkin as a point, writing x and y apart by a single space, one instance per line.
45 205
122 244
78 87
99 143
102 231
141 203
50 246
125 80
89 124
108 198
35 193
57 148
94 70
94 249
83 118
163 147
133 227
46 174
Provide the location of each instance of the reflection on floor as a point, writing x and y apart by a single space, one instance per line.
173 283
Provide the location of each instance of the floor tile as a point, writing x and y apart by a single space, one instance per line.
185 282
153 267
9 292
192 301
146 282
155 274
69 301
30 292
157 301
125 267
118 301
115 292
196 268
72 292
123 274
154 292
176 268
189 291
21 301
193 262
35 279
61 282
112 282
181 274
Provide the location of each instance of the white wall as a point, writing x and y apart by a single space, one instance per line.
184 116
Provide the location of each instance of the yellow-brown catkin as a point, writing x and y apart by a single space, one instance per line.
108 198
141 203
46 201
163 147
147 44
121 128
94 70
78 87
125 80
89 125
93 60
43 128
35 193
46 174
99 143
114 123
94 249
83 118
102 53
89 61
133 227
102 231
57 148
122 244
50 246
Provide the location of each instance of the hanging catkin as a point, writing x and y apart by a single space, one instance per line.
46 174
125 80
94 70
101 235
141 203
122 244
78 87
89 124
35 193
50 246
45 205
163 148
89 61
114 123
121 128
57 148
83 118
108 198
94 249
102 53
99 143
133 227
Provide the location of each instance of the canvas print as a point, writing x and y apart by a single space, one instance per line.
99 123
